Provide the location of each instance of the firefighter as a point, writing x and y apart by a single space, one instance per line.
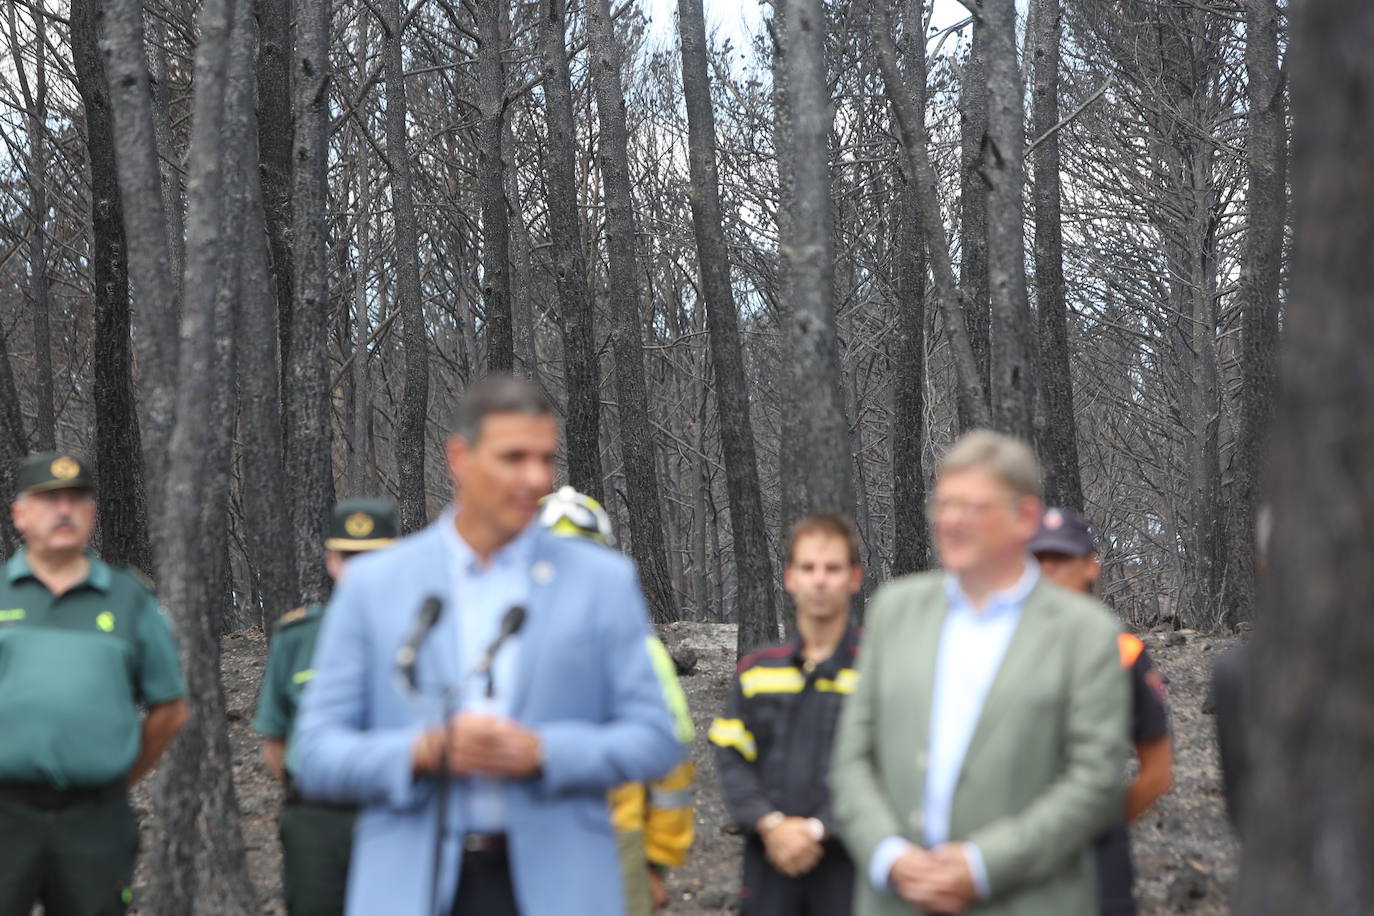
773 740
653 822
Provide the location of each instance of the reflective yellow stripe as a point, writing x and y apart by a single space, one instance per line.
301 677
771 680
846 680
14 614
731 733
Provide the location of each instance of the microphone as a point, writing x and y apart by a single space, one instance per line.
511 623
407 655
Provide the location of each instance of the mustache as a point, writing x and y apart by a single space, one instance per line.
63 523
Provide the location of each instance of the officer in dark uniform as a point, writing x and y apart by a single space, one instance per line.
773 740
1068 555
84 648
316 837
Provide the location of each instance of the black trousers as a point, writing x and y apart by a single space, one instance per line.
316 844
484 887
826 890
76 859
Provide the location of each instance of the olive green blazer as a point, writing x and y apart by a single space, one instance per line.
1045 769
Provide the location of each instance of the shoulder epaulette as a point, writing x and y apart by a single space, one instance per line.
290 617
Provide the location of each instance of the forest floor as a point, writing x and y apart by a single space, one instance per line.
1185 856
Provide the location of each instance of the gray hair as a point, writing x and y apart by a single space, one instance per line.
495 394
1007 458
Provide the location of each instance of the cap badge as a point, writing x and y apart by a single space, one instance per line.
1054 519
64 468
359 525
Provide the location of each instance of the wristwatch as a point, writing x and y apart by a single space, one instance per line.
769 821
816 827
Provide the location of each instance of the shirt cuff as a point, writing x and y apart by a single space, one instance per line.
880 865
978 870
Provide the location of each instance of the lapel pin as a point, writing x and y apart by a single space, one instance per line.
542 572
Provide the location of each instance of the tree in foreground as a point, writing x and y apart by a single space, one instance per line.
1309 836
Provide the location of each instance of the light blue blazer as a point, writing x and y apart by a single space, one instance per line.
585 684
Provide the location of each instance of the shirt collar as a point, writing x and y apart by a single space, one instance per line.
842 657
515 554
1009 599
98 578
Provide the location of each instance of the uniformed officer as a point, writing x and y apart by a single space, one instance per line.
1068 555
83 646
316 837
653 822
774 738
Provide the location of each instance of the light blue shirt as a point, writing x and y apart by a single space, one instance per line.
482 594
972 645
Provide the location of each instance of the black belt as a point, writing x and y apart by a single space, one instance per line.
294 797
47 797
484 843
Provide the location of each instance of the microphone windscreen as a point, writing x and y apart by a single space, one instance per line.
513 621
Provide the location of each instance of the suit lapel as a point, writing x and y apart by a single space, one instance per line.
433 576
543 578
1018 666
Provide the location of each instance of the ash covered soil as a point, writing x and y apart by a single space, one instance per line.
1185 855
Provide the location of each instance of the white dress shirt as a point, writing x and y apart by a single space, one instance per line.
481 596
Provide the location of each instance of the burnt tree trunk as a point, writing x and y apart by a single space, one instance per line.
817 467
906 96
145 232
1058 433
13 445
262 457
973 207
118 451
35 99
275 131
198 863
414 407
306 395
491 104
1308 837
581 370
1012 383
642 496
758 618
1261 278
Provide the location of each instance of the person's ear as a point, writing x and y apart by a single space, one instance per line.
856 578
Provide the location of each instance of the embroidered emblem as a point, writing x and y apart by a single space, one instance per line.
106 621
64 468
359 525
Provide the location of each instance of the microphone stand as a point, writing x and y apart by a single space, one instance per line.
441 791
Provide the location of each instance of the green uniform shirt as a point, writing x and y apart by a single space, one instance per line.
74 670
288 672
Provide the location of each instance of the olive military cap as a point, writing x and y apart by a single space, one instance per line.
53 471
362 524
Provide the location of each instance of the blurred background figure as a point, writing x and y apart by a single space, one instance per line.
316 836
1069 556
537 641
774 739
654 822
84 648
985 748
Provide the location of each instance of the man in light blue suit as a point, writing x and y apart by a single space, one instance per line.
567 707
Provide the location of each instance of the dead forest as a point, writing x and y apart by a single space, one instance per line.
252 252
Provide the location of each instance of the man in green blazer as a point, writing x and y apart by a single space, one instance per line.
986 745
